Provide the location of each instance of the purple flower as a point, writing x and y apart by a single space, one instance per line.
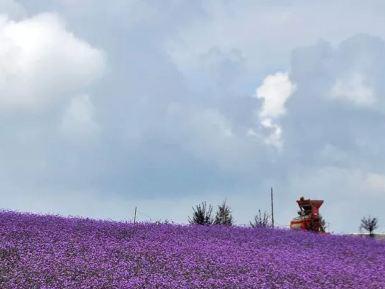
49 252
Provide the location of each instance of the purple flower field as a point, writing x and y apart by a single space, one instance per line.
55 252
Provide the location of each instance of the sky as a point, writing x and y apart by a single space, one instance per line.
109 105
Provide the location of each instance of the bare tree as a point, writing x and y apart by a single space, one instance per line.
369 224
223 215
261 220
202 214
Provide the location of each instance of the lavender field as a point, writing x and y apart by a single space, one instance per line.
55 252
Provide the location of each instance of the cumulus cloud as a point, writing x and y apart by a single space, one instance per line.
206 133
355 90
340 95
274 136
78 121
211 136
41 62
227 25
274 92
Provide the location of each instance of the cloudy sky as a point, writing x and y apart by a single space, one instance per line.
108 105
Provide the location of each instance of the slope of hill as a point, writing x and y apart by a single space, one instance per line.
55 252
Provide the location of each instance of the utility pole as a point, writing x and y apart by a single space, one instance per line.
272 207
135 214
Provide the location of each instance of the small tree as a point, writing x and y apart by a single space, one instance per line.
223 215
202 214
261 220
369 224
323 224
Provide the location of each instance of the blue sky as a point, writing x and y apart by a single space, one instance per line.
108 105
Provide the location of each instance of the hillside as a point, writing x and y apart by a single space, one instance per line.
55 252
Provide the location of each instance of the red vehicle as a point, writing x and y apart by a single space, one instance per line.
309 218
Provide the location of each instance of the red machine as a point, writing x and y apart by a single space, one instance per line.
309 218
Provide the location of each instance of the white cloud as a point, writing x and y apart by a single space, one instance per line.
229 25
78 120
375 182
274 92
211 134
355 90
41 62
274 138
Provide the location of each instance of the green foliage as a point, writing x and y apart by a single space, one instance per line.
261 220
323 224
223 215
202 214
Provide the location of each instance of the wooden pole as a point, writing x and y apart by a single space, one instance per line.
272 207
135 214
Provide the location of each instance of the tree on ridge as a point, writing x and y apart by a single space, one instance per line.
202 214
369 224
261 220
223 215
